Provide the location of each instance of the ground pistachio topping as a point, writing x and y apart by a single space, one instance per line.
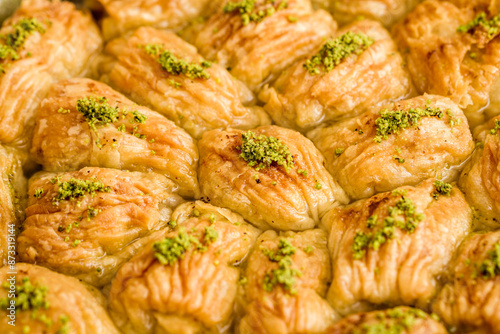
402 215
391 121
248 12
284 275
490 268
176 66
491 26
442 188
495 128
171 249
393 321
27 296
263 151
336 50
38 193
75 188
15 40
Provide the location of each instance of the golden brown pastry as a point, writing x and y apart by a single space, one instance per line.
273 177
285 284
186 280
125 15
401 320
391 249
44 41
109 130
400 144
12 202
449 54
480 179
359 67
160 70
386 11
471 298
51 303
87 223
256 43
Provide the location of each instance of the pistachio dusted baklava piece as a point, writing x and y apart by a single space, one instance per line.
285 283
44 41
402 143
124 15
274 177
452 50
398 320
480 179
391 249
158 69
184 281
470 300
12 202
357 68
386 11
257 39
87 223
48 302
109 130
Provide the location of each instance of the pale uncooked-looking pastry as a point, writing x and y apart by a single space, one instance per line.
12 202
431 138
303 97
446 58
87 223
203 99
257 51
112 132
51 303
391 249
56 42
470 300
292 192
186 280
285 284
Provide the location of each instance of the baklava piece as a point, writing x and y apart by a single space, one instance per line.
471 298
480 179
109 130
273 177
87 223
186 280
285 284
357 68
402 143
386 11
392 248
43 42
48 302
125 15
12 202
453 51
256 40
158 69
400 320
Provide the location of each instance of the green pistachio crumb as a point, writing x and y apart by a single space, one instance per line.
284 275
339 151
28 296
263 151
249 13
391 121
491 26
38 193
490 267
63 111
75 188
333 52
442 188
176 66
172 223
